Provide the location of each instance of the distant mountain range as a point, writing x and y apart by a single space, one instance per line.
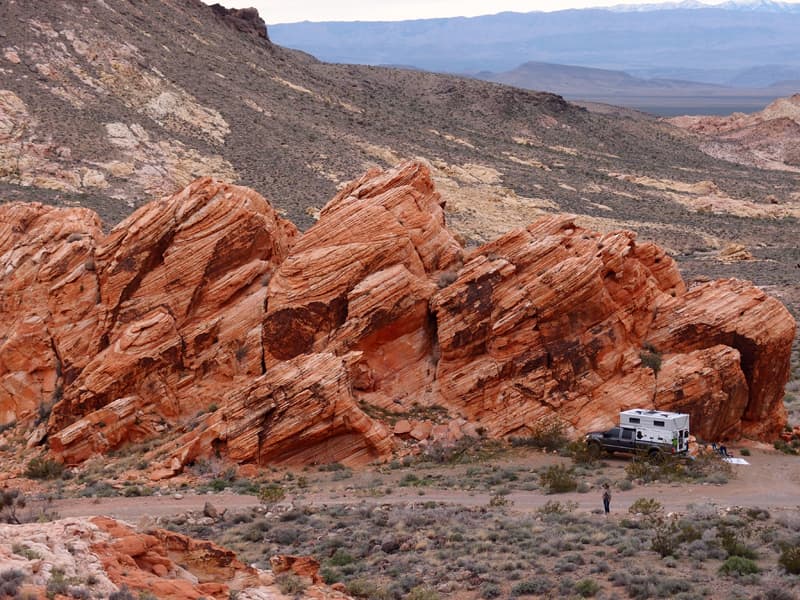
736 44
659 96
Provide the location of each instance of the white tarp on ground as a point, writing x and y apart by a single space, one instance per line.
736 461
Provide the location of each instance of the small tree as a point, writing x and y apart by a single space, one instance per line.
651 359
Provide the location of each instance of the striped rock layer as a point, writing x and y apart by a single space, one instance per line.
206 321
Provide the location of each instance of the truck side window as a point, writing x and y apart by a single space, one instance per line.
627 434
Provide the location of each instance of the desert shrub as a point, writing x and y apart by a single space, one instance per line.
784 447
332 467
44 468
732 543
11 500
548 432
580 453
10 582
340 558
285 536
330 575
554 507
587 588
363 588
738 565
745 451
777 593
122 594
651 358
422 592
57 584
649 507
289 583
558 479
789 559
271 493
498 500
665 540
532 587
490 590
625 485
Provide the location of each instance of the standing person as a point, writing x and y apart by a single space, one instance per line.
606 498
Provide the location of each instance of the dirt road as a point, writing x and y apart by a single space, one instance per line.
771 480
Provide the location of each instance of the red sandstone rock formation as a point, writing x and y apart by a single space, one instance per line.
207 302
165 564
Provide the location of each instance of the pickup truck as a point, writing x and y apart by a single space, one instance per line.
626 439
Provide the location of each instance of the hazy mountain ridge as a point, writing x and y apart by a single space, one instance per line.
656 95
719 42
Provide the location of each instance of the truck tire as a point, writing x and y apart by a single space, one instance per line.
656 456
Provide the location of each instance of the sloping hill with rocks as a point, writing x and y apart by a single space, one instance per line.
210 324
769 139
108 105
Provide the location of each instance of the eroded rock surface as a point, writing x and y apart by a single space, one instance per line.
769 139
209 322
106 556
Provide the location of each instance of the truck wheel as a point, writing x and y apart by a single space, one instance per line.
594 450
656 456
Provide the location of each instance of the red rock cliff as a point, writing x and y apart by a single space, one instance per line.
207 301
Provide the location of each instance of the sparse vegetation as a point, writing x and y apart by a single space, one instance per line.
558 479
44 468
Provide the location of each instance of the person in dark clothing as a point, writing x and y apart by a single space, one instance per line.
606 498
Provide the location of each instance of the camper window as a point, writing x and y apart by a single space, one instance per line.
634 420
658 423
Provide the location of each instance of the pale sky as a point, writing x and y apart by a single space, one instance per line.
289 11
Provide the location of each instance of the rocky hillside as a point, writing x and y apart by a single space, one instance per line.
769 139
107 105
207 322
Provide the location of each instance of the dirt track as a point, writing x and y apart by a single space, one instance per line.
771 480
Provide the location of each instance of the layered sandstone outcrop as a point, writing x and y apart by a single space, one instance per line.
207 321
113 556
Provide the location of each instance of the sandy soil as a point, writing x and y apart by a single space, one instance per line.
771 480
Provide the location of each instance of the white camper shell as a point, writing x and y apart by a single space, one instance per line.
658 427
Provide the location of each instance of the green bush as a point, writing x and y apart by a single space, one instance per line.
558 479
587 588
790 559
666 539
532 587
422 592
271 493
44 468
738 565
649 507
340 558
554 507
289 583
733 545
